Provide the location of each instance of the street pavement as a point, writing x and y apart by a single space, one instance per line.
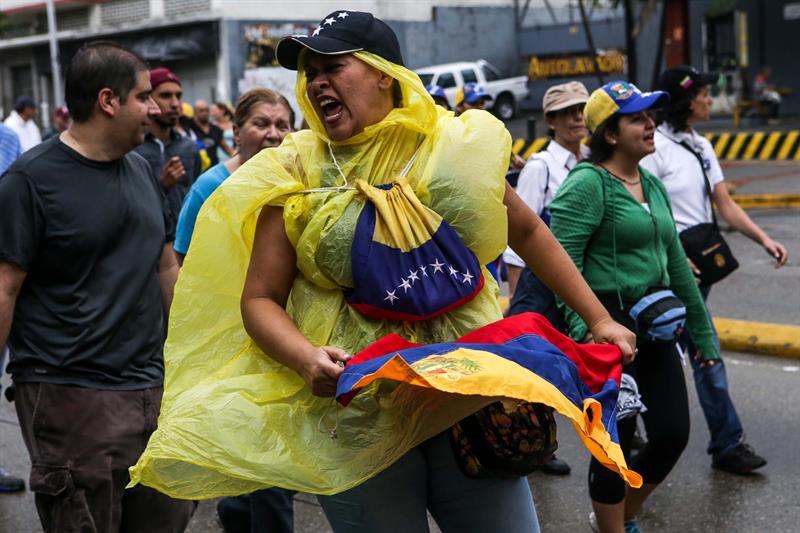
694 498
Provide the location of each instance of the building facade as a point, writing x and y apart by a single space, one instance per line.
221 47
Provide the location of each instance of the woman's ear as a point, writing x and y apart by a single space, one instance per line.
385 81
610 137
235 129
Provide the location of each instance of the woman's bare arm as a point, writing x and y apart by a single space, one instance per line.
266 290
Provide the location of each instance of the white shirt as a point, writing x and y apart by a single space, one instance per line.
682 176
536 188
26 130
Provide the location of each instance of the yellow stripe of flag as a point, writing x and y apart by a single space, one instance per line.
752 146
769 146
788 142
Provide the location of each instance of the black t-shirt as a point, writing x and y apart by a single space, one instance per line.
89 234
210 140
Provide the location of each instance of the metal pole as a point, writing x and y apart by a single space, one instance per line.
58 91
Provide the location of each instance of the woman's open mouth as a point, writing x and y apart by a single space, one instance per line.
331 109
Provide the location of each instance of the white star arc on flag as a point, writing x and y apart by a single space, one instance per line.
423 269
316 31
453 271
467 277
437 266
343 15
391 297
330 21
404 285
412 276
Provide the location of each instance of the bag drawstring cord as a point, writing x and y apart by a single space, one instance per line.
346 186
332 432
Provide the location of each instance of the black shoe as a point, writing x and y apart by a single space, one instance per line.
555 467
740 460
9 483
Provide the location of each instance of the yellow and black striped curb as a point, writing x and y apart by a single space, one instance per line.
782 340
729 146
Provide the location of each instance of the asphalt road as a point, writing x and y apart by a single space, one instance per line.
694 498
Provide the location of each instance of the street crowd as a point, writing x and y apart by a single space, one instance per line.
611 235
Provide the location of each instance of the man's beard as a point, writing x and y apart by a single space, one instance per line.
165 123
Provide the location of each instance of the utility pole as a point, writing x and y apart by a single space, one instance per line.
55 65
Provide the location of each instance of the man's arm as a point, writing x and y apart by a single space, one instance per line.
167 276
11 278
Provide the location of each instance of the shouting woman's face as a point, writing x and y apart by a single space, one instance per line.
347 94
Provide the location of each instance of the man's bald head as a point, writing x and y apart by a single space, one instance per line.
201 111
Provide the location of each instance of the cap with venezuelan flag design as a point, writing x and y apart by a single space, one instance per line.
620 97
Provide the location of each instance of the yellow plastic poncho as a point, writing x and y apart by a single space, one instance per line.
232 419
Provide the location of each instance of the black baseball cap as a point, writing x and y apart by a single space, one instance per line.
678 81
342 32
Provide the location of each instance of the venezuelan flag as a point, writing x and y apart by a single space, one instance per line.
521 357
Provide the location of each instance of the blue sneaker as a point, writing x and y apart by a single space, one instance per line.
632 526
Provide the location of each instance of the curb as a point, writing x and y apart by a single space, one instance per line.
781 340
729 146
767 201
758 337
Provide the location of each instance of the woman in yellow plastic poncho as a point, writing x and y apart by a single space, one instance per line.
234 420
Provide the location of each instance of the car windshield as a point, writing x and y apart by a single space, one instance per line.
426 78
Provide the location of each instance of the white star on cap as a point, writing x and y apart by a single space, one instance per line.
391 297
467 278
343 15
412 275
405 285
316 31
329 21
437 266
423 269
453 271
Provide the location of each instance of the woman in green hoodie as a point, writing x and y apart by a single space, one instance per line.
615 221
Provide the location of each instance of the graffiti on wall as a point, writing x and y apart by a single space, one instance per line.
261 40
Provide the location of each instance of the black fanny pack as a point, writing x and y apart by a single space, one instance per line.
704 243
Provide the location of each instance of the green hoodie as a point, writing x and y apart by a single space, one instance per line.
593 214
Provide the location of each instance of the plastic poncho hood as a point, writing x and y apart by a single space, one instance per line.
232 419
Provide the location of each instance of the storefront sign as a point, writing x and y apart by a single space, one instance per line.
572 66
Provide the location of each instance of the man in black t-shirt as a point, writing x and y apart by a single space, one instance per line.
86 279
208 134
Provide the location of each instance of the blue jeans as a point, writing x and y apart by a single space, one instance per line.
427 477
263 511
712 391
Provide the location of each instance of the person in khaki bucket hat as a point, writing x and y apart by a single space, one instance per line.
565 95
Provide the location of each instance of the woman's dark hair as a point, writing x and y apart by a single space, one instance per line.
96 66
678 111
254 97
600 147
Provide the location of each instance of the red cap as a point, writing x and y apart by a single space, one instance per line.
62 112
162 75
